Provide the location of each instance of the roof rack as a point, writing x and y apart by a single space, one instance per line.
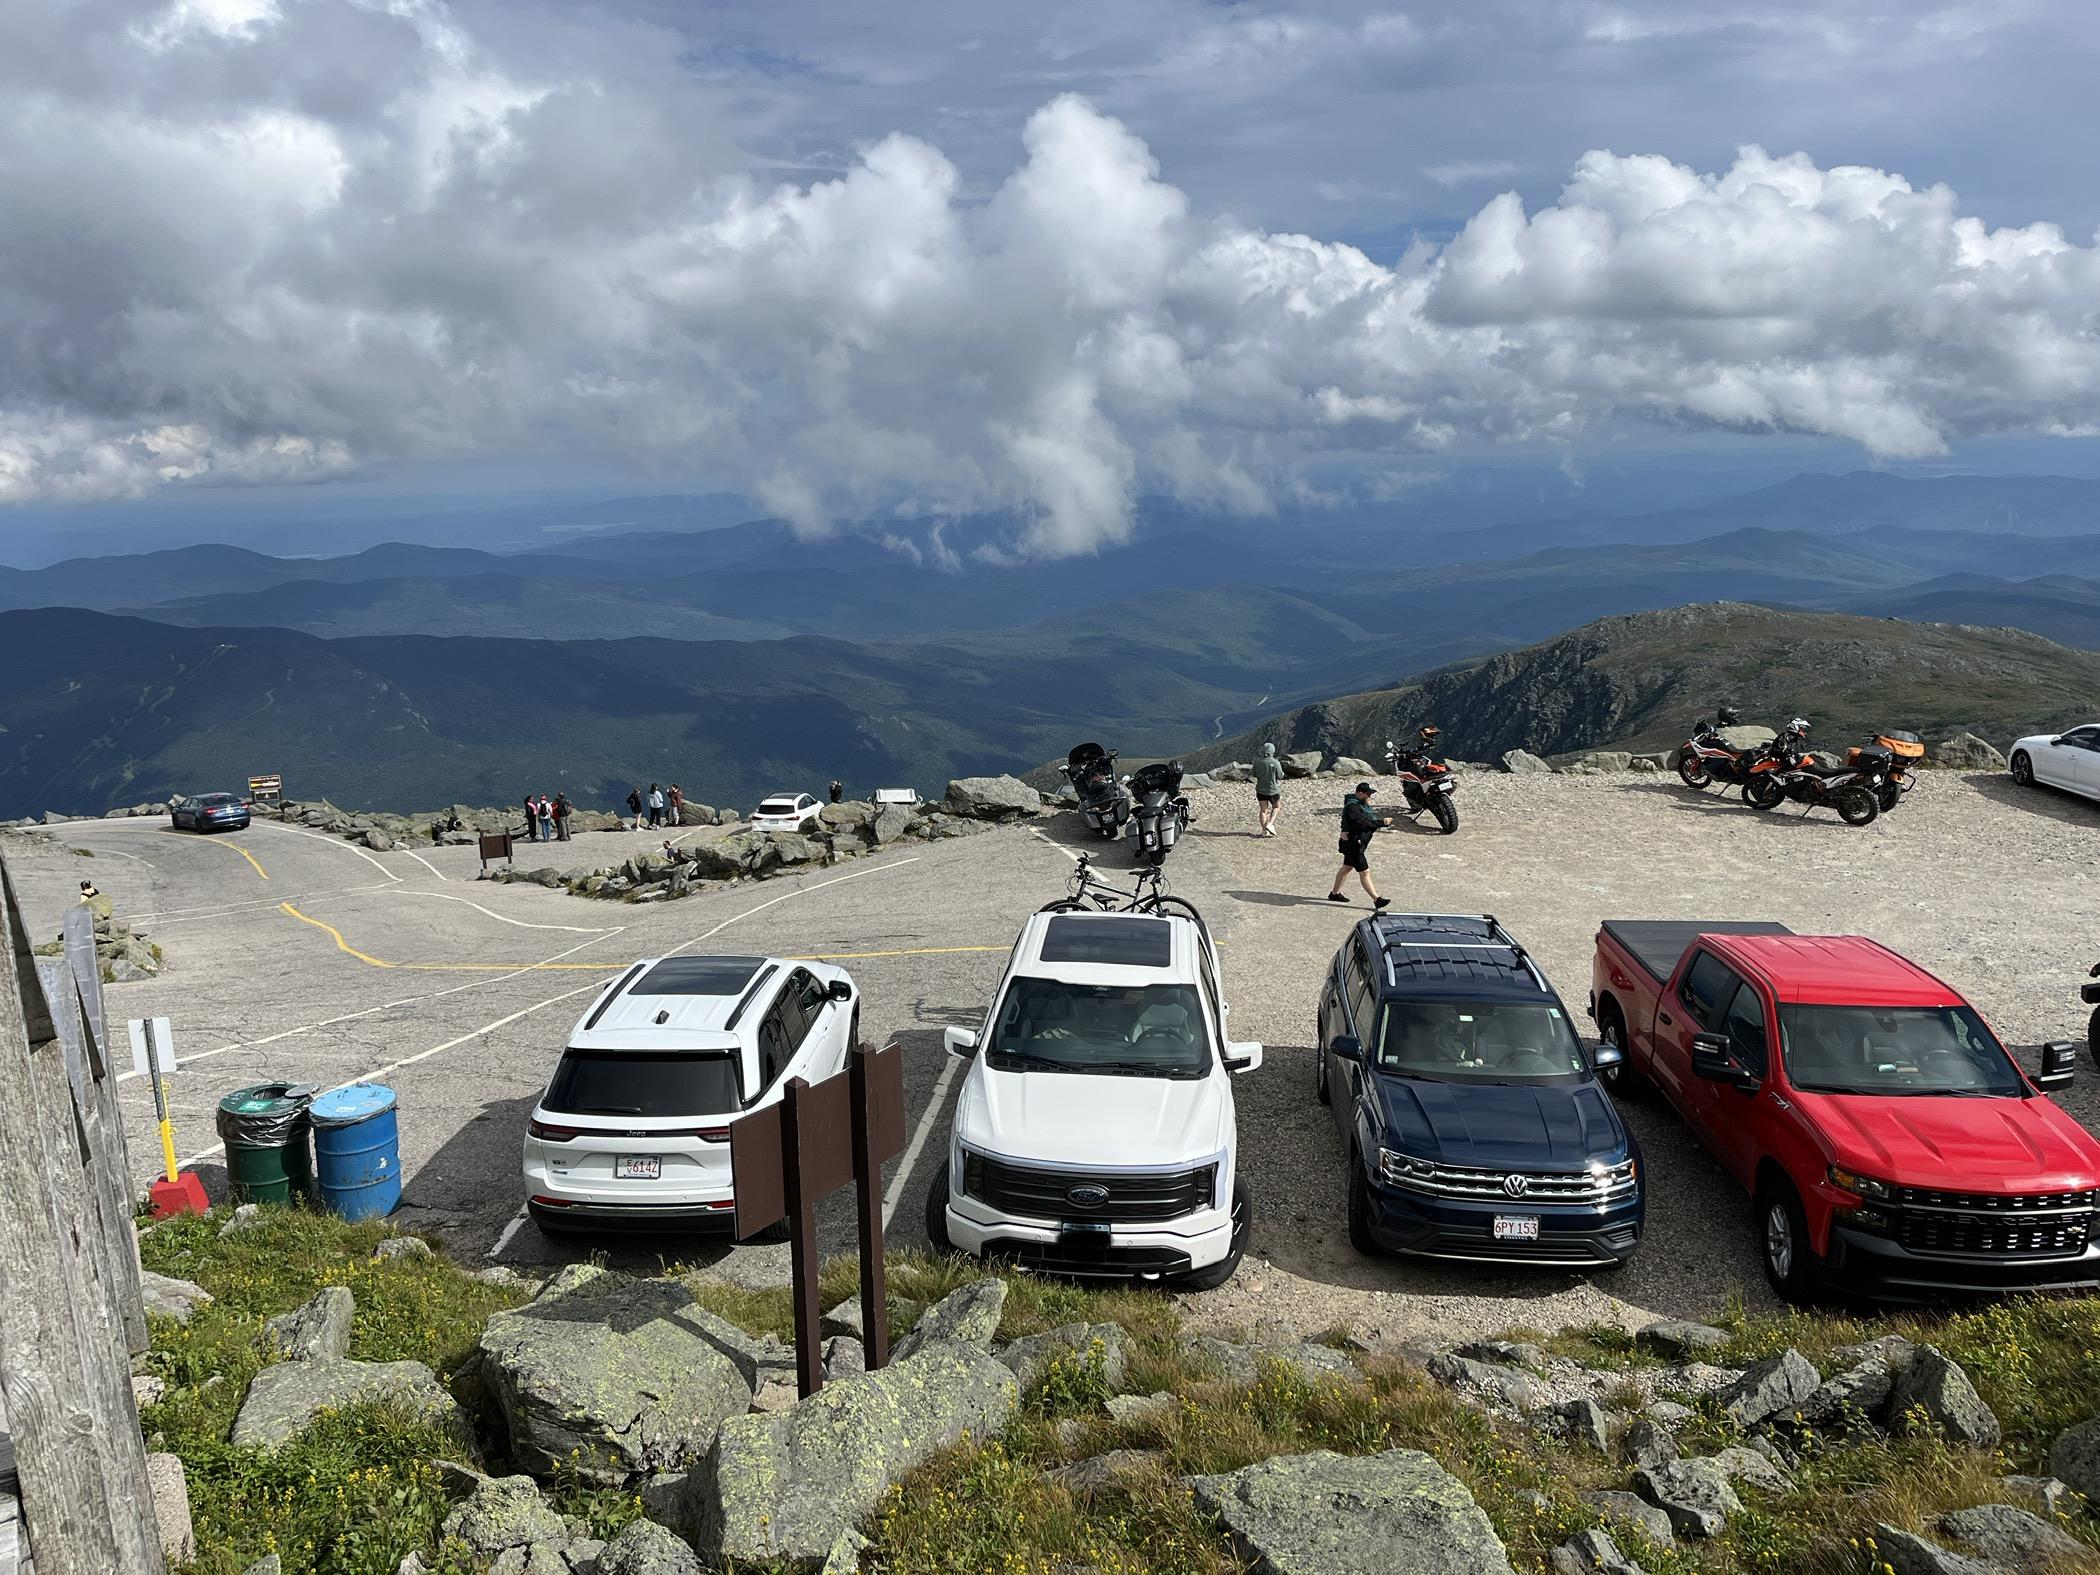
1389 927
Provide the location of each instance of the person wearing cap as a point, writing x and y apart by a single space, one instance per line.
1358 822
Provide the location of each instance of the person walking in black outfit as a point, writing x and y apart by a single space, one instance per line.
634 806
1358 822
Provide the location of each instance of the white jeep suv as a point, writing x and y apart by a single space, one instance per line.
1095 1133
786 812
633 1129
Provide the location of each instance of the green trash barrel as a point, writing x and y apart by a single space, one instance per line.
269 1157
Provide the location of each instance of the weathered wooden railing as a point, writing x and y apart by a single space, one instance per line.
71 1311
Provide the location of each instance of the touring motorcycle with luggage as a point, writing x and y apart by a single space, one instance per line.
1706 757
1785 772
1898 754
1427 783
1159 813
1102 797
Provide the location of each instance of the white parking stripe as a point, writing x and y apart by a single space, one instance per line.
1046 842
573 929
440 874
934 1107
334 842
509 1230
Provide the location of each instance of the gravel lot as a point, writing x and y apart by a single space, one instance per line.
459 994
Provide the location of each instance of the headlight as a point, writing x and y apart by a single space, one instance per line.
1402 1169
1866 1186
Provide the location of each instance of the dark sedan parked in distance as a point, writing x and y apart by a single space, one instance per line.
1475 1123
207 812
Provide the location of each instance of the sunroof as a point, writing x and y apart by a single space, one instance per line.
1126 943
698 976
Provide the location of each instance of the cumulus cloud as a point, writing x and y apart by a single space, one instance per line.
270 240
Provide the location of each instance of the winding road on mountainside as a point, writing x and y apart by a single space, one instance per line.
296 956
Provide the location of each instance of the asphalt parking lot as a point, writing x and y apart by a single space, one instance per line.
295 956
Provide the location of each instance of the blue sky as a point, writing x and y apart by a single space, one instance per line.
847 260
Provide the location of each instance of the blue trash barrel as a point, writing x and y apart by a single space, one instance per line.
357 1151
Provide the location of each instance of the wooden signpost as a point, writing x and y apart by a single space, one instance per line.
494 845
815 1140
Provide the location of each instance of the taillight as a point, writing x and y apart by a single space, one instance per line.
551 1133
713 1134
546 1202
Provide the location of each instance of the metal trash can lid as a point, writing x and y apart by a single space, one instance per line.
345 1107
266 1098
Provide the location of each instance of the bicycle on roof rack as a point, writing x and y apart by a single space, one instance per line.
1089 893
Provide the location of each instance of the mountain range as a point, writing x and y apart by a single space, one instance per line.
743 659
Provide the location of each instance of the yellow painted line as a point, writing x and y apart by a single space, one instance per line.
336 934
237 848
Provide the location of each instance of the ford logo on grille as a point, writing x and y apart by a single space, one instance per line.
1516 1186
1089 1196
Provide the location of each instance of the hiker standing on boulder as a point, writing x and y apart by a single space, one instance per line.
677 802
1268 789
1358 822
838 791
561 816
634 806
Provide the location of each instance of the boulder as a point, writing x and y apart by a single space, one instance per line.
318 1331
628 1375
2074 1459
691 814
1099 1471
1590 1553
504 1512
1510 1353
968 1315
1302 764
402 1247
1329 1514
1760 1470
1965 752
1935 1386
1235 771
1030 1357
645 1548
1632 1510
1907 1553
2008 1535
245 1216
1138 1410
1608 760
1695 1494
890 823
1680 1337
792 848
1580 1421
991 798
1350 766
1746 735
2044 1495
1646 1444
1486 1380
1857 1396
1523 761
168 1298
784 1486
1774 1387
379 842
848 819
170 1488
283 1399
1239 1363
844 1355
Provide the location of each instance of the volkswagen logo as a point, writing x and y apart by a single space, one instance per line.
1089 1196
1516 1186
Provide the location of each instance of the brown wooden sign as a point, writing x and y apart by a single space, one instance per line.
494 845
816 1139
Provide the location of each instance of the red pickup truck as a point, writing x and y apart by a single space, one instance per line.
1894 1147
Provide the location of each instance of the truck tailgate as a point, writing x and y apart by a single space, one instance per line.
1658 944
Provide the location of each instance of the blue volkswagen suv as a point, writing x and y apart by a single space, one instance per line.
1476 1125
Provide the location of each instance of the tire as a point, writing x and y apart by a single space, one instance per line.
2092 1035
775 1233
1064 905
1623 1081
1763 792
1325 1095
1888 795
1360 1236
1857 806
1691 770
1178 906
937 1214
1446 813
2022 768
1214 1275
1782 1243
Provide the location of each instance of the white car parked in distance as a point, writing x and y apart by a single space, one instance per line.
786 812
1095 1132
2066 760
633 1129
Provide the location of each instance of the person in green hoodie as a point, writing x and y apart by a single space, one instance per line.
1268 788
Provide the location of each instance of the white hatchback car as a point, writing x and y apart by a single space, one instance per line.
2067 760
1095 1132
786 812
633 1129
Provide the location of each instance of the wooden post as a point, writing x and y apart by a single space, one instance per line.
64 1370
802 1238
867 1170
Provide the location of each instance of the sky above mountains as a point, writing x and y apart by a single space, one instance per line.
949 257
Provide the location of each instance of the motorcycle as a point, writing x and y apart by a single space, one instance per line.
1903 750
1159 813
1785 772
1102 797
1427 784
1706 757
2091 993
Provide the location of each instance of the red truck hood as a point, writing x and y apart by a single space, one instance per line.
1974 1145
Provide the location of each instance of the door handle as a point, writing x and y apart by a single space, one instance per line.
1663 1018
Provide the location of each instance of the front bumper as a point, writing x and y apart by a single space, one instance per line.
1570 1237
1166 1249
1873 1266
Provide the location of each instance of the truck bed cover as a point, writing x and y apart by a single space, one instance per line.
1658 944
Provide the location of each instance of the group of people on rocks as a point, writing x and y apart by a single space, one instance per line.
663 808
547 819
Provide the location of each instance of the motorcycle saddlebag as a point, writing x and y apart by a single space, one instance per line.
1904 746
1169 830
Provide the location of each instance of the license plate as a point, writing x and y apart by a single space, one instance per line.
1516 1227
650 1167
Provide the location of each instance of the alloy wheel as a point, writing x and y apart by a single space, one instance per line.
1779 1240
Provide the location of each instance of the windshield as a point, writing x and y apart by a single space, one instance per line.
1894 1050
1469 1042
643 1083
1153 1030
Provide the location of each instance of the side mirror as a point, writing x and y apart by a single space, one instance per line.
1347 1047
839 990
1606 1056
1242 1057
1711 1059
2059 1065
960 1041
